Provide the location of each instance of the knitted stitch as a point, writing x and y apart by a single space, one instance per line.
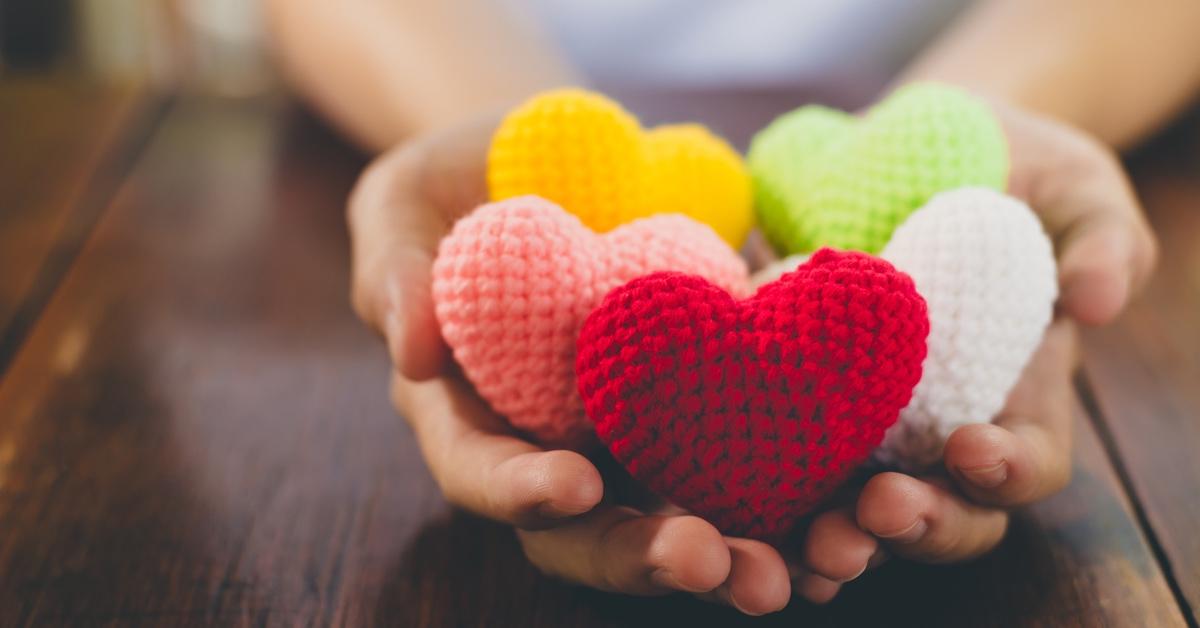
987 271
826 178
584 152
514 280
749 413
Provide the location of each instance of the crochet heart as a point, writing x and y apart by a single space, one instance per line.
514 280
987 272
584 152
749 413
826 178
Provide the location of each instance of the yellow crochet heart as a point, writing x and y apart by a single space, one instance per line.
586 153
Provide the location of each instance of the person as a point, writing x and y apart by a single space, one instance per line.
1072 82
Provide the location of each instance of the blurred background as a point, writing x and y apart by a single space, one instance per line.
212 45
843 52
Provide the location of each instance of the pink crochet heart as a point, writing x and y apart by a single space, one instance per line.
514 281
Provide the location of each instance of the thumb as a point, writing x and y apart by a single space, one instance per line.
1104 258
1087 203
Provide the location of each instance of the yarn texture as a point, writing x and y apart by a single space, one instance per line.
514 280
749 413
987 272
586 153
827 178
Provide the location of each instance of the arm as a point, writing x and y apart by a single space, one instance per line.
1116 69
384 70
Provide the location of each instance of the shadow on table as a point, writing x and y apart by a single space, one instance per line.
461 570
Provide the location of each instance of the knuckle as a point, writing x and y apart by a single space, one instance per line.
599 564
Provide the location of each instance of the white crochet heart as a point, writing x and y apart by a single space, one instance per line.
987 272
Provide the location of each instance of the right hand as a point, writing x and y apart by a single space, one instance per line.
402 206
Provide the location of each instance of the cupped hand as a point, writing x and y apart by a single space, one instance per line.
1105 251
409 198
403 205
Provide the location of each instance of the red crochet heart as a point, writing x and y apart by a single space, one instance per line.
749 413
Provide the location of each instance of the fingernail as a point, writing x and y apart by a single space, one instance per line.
733 602
987 477
855 576
911 534
724 592
664 578
816 589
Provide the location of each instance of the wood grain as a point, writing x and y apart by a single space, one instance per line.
60 163
1074 560
197 432
1144 370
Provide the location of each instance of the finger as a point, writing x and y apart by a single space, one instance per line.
410 328
1103 259
1105 248
919 520
402 207
619 549
1026 455
758 581
814 588
482 468
395 236
835 547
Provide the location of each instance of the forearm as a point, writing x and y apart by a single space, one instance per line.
1115 68
384 69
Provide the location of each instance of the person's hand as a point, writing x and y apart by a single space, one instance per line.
402 206
408 200
1105 251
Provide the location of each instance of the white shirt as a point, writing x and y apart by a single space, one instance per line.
739 42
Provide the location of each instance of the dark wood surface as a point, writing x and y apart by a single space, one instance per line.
1144 371
61 138
196 431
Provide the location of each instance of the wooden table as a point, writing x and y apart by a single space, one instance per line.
195 430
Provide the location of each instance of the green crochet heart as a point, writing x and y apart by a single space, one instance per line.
827 178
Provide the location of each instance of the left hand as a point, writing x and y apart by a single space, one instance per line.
401 208
1105 251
